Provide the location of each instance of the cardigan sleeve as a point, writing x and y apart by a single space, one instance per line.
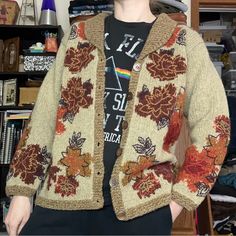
33 153
207 114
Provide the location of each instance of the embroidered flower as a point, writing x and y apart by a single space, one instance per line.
76 162
29 163
159 105
196 168
73 32
166 66
175 124
66 186
222 125
166 170
52 175
81 30
78 58
217 148
173 38
146 185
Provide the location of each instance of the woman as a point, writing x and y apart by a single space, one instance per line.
100 144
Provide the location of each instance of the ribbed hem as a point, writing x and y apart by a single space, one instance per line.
16 190
183 201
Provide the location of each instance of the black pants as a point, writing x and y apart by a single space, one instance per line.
45 221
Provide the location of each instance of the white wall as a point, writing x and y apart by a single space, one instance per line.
63 17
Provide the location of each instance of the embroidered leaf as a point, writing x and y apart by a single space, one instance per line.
150 151
148 143
139 148
141 140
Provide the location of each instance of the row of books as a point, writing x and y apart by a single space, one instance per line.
91 7
12 123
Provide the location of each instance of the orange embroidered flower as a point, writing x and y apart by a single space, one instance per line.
166 170
217 148
77 163
66 186
24 138
159 105
78 58
166 66
146 185
134 170
81 30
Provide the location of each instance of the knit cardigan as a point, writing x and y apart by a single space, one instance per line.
60 154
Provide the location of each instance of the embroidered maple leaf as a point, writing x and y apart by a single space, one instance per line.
77 163
217 147
134 170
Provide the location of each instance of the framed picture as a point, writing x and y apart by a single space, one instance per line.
1 92
9 92
11 55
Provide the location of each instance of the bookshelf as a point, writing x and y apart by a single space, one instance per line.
11 130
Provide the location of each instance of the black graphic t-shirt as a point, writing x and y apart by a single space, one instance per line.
123 44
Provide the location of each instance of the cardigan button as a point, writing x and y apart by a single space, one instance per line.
129 96
113 182
121 215
124 124
119 152
137 67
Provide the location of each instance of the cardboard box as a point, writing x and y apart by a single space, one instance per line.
28 95
212 36
9 11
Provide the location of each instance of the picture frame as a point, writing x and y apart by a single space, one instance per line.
9 92
11 55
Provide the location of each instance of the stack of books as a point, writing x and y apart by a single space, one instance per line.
12 123
89 7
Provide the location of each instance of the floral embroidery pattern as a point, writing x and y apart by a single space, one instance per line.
75 96
78 58
29 163
73 32
53 170
159 105
166 170
66 186
147 185
178 36
200 169
76 162
165 66
175 123
133 170
81 30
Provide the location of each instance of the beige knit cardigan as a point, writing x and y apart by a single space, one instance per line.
60 155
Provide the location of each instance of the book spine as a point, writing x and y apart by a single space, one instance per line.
10 151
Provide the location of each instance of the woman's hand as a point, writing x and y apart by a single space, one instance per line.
175 210
18 215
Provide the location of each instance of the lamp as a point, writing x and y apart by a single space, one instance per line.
48 13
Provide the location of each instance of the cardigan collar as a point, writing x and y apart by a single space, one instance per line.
160 32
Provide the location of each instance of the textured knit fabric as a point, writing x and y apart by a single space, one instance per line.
124 42
61 151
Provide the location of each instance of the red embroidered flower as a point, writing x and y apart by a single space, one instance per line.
66 186
77 95
166 66
147 185
164 169
222 125
60 127
53 170
196 168
29 163
78 58
159 105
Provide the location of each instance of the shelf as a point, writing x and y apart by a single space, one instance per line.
43 27
29 107
23 73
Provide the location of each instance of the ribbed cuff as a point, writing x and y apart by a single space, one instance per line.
19 191
183 201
